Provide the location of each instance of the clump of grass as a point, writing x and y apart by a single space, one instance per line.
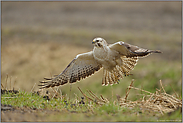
150 107
158 101
22 99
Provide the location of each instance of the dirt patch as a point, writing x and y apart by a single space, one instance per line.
10 113
24 114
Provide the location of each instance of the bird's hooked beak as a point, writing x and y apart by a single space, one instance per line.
93 41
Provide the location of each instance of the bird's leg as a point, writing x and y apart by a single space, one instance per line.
119 74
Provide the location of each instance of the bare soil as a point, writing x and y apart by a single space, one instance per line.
24 114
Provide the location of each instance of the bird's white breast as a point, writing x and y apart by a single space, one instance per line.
104 57
100 53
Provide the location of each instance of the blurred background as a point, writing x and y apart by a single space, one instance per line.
39 39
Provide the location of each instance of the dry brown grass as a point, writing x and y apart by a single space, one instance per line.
158 102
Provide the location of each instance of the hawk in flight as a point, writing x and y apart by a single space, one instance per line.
117 60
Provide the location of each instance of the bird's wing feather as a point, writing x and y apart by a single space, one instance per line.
129 50
82 66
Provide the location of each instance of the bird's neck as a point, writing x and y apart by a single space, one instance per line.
100 52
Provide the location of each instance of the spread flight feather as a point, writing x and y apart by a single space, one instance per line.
117 60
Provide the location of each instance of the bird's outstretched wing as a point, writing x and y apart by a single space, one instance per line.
129 50
82 66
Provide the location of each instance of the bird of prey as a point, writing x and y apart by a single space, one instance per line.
117 60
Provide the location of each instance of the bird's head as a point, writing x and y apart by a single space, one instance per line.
99 42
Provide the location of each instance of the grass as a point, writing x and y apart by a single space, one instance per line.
90 110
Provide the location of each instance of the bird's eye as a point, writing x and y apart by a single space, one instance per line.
97 40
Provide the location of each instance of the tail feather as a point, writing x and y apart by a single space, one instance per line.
124 70
114 78
130 65
110 78
120 71
126 67
106 79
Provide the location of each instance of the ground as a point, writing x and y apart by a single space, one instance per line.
39 39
